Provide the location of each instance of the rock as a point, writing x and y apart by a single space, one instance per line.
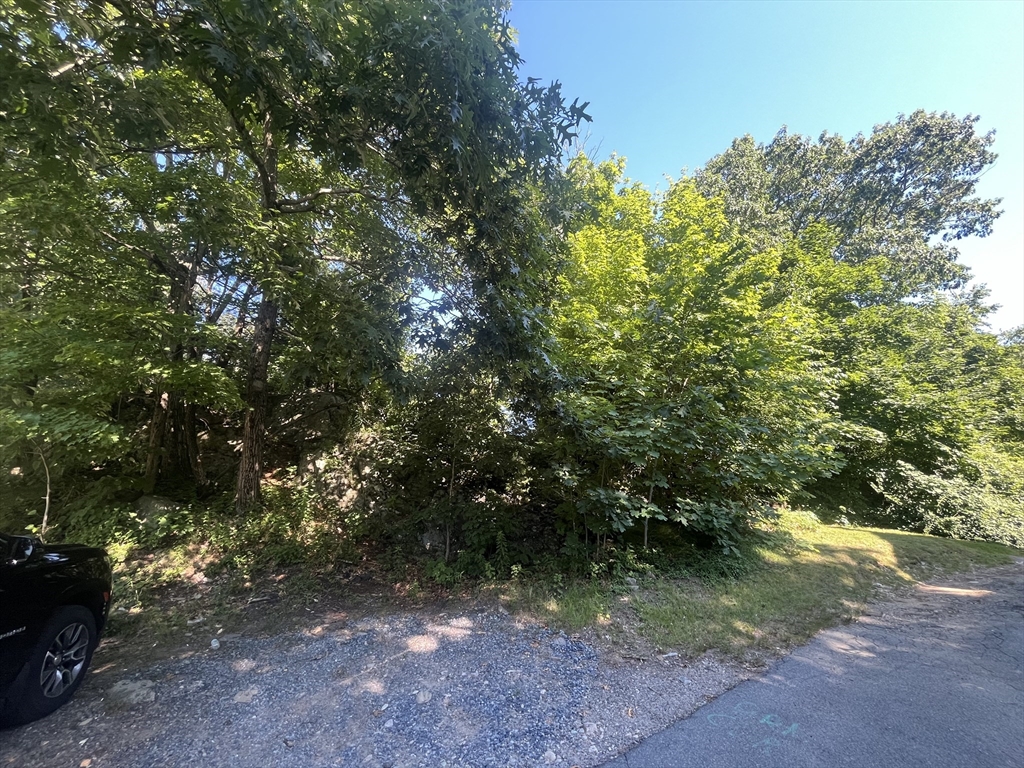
558 643
246 696
422 697
151 508
131 692
590 729
389 724
549 757
215 643
630 581
432 538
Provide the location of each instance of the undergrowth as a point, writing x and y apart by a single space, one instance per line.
179 564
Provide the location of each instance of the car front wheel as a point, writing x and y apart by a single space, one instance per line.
58 662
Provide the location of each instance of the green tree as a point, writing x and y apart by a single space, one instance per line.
877 218
934 399
694 393
905 193
277 190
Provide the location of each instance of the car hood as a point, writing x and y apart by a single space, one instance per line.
71 552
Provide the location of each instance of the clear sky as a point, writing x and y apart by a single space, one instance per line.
672 83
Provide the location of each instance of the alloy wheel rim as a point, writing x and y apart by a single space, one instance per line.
64 660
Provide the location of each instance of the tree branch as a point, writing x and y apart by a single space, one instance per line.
173 148
308 202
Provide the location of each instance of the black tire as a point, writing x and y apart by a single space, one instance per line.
59 663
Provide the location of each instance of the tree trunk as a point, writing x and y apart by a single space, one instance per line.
250 468
192 446
157 428
187 461
46 509
169 427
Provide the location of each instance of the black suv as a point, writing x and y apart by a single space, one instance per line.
54 600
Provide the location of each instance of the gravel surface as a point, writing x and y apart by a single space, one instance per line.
478 688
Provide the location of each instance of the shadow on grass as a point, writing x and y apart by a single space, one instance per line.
800 578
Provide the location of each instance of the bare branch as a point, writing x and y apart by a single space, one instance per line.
172 148
218 309
308 202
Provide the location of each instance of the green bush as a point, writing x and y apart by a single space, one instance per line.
950 506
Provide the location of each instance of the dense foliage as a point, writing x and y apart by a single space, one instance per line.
318 272
212 211
694 391
928 398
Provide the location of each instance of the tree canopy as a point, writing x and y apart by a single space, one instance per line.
265 191
904 194
336 250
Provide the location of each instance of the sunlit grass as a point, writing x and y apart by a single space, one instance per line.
804 577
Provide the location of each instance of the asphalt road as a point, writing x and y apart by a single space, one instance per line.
933 680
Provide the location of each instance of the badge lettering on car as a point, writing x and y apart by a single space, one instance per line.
12 633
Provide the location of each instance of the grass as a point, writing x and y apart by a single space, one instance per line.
802 577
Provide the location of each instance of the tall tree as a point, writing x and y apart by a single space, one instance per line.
693 389
917 382
905 193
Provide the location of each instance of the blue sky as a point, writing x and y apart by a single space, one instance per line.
672 83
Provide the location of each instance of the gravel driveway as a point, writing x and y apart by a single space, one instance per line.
478 688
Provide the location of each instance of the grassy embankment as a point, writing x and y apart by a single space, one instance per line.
802 577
